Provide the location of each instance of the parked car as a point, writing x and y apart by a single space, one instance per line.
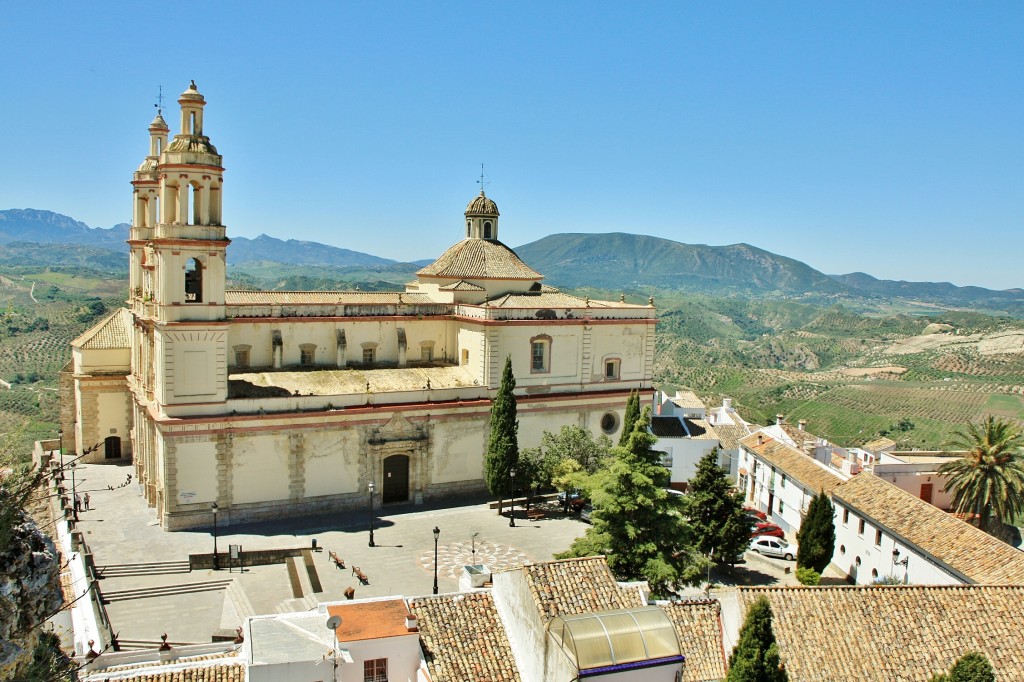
759 515
776 547
767 528
576 500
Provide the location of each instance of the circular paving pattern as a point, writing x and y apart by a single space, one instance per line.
451 557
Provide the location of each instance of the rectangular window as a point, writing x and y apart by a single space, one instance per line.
368 355
781 508
427 353
465 356
611 369
306 357
846 516
539 356
782 484
878 537
375 670
860 527
241 358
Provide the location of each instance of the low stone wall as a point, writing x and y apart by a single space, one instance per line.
259 557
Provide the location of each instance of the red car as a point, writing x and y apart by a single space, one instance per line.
768 528
755 513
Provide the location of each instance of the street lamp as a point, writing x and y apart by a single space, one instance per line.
371 487
512 504
474 546
74 494
437 534
216 562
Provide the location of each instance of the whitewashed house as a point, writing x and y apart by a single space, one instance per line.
684 434
917 472
730 428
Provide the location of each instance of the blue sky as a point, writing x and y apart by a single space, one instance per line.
873 136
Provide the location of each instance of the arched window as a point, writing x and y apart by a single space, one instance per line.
193 281
469 224
487 229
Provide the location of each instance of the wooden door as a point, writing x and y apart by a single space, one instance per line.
396 479
926 492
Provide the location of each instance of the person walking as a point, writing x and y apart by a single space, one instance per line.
78 503
86 501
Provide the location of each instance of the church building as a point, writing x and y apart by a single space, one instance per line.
272 403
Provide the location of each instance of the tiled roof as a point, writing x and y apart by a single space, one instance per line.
479 259
699 630
790 461
461 285
667 427
199 669
548 298
324 298
686 399
572 586
112 332
463 638
700 429
800 436
729 435
965 549
908 633
370 619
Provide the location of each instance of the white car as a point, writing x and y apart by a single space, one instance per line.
776 547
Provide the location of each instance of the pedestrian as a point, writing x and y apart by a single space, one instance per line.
78 503
86 501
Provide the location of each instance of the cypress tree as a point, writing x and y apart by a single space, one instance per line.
715 510
502 441
816 538
629 419
755 658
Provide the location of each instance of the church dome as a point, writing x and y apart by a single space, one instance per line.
482 206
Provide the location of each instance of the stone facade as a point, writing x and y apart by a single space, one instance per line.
285 403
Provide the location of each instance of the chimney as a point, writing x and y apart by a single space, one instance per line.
727 403
802 424
779 420
760 439
411 624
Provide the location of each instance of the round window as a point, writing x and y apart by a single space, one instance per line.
842 549
609 422
874 574
857 561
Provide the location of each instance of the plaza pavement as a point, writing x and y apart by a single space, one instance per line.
149 590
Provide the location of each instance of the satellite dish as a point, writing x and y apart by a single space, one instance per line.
333 622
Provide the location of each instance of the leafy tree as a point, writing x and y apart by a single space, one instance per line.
574 454
988 481
630 417
715 510
755 658
808 576
637 525
816 538
535 470
502 441
971 667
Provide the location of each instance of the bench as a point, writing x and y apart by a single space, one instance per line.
350 592
338 561
358 572
535 514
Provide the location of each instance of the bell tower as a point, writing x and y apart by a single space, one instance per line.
482 218
178 264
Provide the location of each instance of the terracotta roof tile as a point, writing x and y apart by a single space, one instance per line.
112 332
463 639
370 619
571 586
479 259
698 627
198 669
965 549
785 458
461 285
729 435
851 634
700 429
879 444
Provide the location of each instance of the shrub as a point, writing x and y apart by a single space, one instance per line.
808 576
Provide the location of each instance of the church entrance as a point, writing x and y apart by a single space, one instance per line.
112 448
396 479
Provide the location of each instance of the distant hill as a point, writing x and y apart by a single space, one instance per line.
615 260
612 262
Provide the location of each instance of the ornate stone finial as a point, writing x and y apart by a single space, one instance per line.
192 84
622 298
650 301
165 646
239 636
588 301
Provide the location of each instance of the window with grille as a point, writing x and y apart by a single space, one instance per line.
307 354
369 355
375 670
540 354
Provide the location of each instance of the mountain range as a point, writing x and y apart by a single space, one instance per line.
610 261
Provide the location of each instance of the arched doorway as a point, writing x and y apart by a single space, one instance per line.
112 447
396 479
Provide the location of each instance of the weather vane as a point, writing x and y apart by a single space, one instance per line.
481 180
160 100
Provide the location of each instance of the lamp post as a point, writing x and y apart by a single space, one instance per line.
74 493
216 562
474 546
437 534
512 503
371 487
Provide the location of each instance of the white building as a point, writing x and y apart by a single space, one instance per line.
730 427
684 434
288 403
917 472
883 531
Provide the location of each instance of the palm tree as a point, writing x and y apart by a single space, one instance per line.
988 481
